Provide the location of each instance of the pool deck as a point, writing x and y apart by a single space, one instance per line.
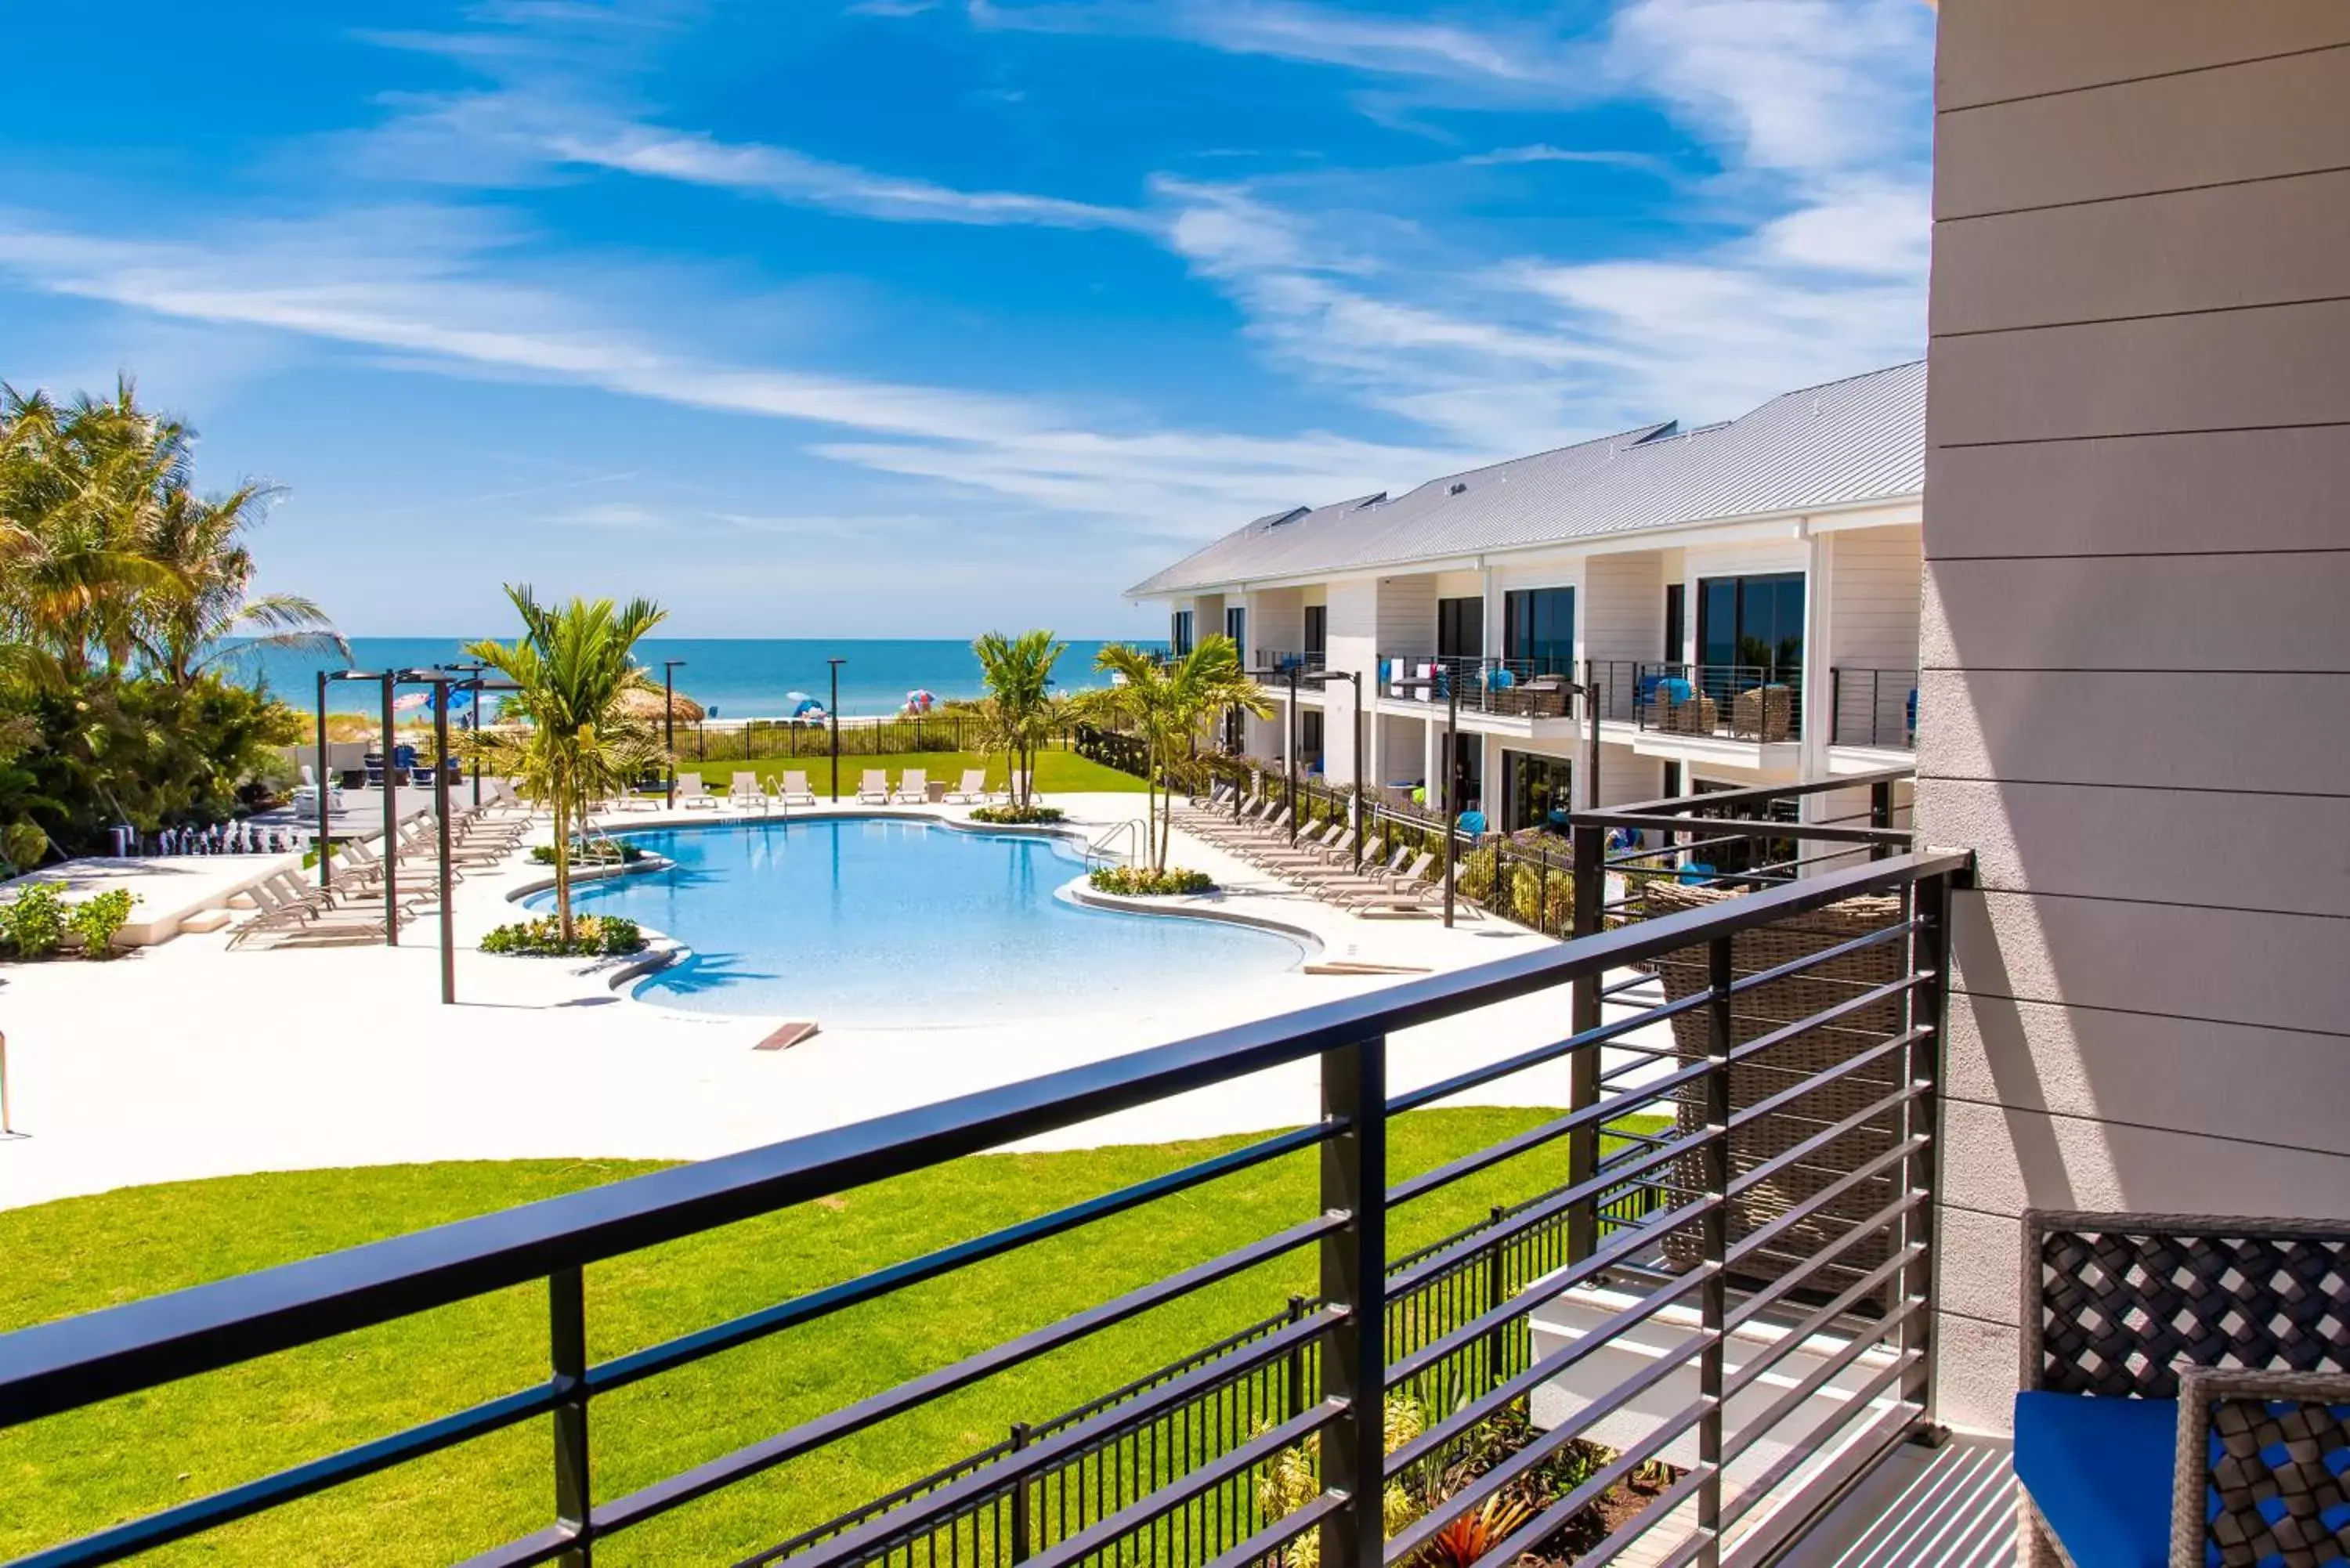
190 1060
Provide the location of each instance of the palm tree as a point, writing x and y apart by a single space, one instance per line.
1020 711
212 613
572 667
1165 703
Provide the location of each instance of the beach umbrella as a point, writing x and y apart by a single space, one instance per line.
919 700
640 703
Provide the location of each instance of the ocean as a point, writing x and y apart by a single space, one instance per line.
734 678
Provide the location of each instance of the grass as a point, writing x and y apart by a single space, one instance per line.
1057 772
73 1474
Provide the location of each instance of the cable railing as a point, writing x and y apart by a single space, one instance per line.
1763 703
1768 1184
1874 706
1516 687
1304 661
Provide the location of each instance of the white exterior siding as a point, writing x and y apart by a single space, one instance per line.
1407 613
1622 613
1872 604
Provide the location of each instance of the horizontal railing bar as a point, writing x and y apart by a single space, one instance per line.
1460 1082
1814 1323
1439 1433
1796 966
1755 795
661 1495
1762 1236
1759 1302
82 1360
1061 1447
1660 1508
1744 827
1266 1543
231 1503
539 1546
638 1364
1165 1499
1595 1115
1556 1203
1796 1154
1691 1548
1801 1449
1751 1432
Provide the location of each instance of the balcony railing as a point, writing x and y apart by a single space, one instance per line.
1304 661
1730 702
1514 688
1781 1209
1875 707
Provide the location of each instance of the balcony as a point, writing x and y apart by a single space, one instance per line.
1306 662
1876 708
1717 1264
1721 701
1507 688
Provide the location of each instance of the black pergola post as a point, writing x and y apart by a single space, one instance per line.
1355 679
441 809
326 841
832 717
669 719
391 822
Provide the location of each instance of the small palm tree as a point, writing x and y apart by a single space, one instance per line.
1166 703
1020 711
572 667
212 613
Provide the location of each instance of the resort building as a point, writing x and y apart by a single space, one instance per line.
1739 601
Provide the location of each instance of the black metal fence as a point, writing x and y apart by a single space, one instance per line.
1127 754
1131 1478
1874 707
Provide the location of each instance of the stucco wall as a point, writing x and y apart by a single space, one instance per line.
2135 703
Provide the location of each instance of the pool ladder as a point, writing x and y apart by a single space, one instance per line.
1100 847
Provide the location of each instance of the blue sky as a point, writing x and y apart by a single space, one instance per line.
908 317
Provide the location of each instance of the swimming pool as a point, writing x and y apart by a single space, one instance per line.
883 922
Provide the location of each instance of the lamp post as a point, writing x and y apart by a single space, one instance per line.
1288 670
832 717
326 846
1355 679
669 720
441 810
391 819
1452 685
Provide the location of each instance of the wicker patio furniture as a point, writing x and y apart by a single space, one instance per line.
1542 696
1760 1011
2186 1392
1695 715
1763 713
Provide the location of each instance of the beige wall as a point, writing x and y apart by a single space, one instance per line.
2136 697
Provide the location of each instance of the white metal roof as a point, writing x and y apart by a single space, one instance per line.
1847 443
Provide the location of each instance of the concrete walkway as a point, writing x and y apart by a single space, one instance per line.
191 1060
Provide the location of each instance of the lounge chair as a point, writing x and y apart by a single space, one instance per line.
796 791
306 795
874 790
1018 786
746 792
913 787
972 790
695 793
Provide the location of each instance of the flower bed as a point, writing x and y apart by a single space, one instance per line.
1141 881
1017 816
601 852
593 936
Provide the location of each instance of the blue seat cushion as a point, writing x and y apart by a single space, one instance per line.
2099 1471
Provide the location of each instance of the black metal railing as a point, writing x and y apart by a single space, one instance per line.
1127 754
1516 687
1720 1204
1731 702
1874 706
1304 661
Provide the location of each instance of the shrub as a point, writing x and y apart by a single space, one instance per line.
34 921
1017 816
595 936
1141 881
95 919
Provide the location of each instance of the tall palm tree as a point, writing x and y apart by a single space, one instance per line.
213 614
572 667
1020 711
1166 703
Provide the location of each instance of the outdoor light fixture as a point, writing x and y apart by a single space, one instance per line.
1355 679
832 717
669 720
1288 671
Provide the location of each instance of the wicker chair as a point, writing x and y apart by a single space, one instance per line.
2185 1391
1756 1013
1698 715
1763 713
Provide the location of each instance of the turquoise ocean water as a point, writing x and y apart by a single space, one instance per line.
736 678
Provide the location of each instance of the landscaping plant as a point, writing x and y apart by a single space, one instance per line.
1143 881
1017 815
34 921
1020 712
1166 703
96 918
589 936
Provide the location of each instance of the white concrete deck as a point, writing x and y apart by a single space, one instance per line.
190 1060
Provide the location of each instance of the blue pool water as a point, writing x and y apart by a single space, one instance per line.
879 923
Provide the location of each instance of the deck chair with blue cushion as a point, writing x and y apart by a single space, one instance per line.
2186 1392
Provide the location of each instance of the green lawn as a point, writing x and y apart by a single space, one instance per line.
1057 772
75 1472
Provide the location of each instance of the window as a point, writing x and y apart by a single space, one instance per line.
1460 629
1539 628
1310 737
1179 633
1757 622
1237 628
1540 792
1318 632
1675 622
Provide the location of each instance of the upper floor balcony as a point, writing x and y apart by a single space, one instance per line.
1876 708
1762 703
1509 687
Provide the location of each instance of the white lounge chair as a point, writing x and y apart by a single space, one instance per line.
696 792
796 791
746 792
913 788
972 791
306 795
874 790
